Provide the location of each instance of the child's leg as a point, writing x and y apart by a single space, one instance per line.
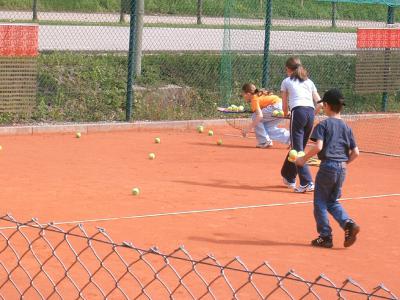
301 126
324 186
334 207
261 135
281 135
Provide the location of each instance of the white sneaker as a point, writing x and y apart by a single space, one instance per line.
306 188
290 185
265 145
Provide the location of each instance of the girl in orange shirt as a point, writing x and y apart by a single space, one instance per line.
263 103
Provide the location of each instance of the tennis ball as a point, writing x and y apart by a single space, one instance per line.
280 113
300 154
78 135
241 108
135 191
219 142
275 113
293 154
210 133
152 156
200 129
157 140
291 159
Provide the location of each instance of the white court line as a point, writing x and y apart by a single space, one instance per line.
190 212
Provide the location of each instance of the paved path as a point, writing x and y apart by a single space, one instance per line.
115 38
110 38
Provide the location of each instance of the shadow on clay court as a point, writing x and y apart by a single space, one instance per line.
226 185
254 242
214 145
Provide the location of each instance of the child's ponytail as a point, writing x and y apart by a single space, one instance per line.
251 88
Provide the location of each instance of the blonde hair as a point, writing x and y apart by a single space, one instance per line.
299 72
252 89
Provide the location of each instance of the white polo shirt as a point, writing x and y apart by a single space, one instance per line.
299 93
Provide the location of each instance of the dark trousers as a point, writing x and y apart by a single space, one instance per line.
328 189
301 124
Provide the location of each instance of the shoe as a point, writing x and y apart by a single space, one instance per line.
306 188
265 145
323 242
351 230
290 185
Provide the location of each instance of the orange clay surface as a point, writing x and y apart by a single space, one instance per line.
61 178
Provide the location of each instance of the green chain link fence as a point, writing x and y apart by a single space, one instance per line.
187 46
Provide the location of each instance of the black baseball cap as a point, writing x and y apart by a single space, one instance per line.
333 96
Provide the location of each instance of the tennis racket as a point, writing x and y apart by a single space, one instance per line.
241 119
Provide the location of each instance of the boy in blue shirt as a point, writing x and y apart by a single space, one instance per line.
336 147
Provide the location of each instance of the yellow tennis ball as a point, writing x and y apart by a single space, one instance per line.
291 159
1 147
78 135
210 133
135 191
219 142
300 154
152 156
157 140
241 108
275 113
293 154
280 113
200 129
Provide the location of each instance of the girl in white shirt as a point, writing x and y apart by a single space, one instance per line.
299 97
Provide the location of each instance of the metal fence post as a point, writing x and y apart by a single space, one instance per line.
334 14
199 11
139 36
268 21
385 95
34 10
131 61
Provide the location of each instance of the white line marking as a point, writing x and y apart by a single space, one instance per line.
189 212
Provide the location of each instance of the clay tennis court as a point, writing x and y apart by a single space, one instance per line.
60 178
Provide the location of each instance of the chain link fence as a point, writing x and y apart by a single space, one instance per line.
83 61
45 261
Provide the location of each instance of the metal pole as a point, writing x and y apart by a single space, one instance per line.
385 95
34 11
139 37
199 11
123 10
131 61
334 14
268 21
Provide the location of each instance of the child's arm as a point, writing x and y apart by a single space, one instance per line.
257 119
301 161
285 106
318 106
354 153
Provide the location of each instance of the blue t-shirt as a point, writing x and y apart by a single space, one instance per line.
337 137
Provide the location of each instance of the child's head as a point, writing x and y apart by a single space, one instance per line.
295 69
333 100
248 90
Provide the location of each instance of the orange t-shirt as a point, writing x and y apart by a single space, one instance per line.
263 101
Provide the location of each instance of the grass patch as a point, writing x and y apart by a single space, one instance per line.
242 8
83 87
